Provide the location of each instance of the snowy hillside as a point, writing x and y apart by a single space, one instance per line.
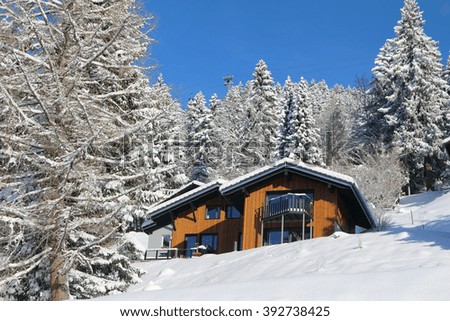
407 262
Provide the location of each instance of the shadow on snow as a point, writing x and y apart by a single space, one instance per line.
436 233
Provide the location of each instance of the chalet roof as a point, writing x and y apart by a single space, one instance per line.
189 196
183 189
287 164
239 183
446 141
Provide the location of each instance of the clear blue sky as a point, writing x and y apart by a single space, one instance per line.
201 41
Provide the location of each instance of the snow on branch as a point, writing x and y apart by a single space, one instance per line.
25 55
34 261
107 45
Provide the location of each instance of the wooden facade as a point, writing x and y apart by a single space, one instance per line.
329 210
193 221
325 206
337 204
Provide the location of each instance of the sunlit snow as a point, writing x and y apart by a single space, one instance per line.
409 261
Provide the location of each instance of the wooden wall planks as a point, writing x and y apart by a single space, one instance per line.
328 208
227 229
325 205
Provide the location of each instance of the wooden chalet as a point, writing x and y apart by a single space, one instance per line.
285 202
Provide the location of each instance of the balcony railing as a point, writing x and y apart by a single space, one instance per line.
288 204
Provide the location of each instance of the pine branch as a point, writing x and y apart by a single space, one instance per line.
34 261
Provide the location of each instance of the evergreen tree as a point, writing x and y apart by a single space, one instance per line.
299 137
160 152
304 136
319 99
376 127
166 143
319 96
412 96
446 73
73 106
446 76
289 101
199 149
214 103
262 118
232 132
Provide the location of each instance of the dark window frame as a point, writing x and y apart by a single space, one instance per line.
211 207
288 231
227 212
188 249
166 240
215 241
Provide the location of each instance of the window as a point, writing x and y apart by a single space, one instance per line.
208 242
165 241
273 236
232 212
212 213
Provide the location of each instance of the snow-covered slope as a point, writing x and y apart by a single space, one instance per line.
407 262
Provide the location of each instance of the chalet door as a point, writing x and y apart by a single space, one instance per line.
190 243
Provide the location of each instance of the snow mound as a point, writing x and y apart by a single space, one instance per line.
132 245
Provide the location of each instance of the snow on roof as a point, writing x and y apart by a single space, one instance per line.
202 188
287 163
446 141
185 186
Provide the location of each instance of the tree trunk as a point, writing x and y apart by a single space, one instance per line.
58 279
429 173
329 148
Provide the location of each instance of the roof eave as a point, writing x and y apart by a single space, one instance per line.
183 201
264 175
365 207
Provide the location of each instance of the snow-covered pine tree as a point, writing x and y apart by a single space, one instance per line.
373 129
336 122
319 96
262 118
446 76
73 105
446 73
229 120
214 103
287 100
165 145
200 150
299 137
319 99
304 137
159 150
413 96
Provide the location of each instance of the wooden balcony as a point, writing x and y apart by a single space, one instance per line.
290 205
